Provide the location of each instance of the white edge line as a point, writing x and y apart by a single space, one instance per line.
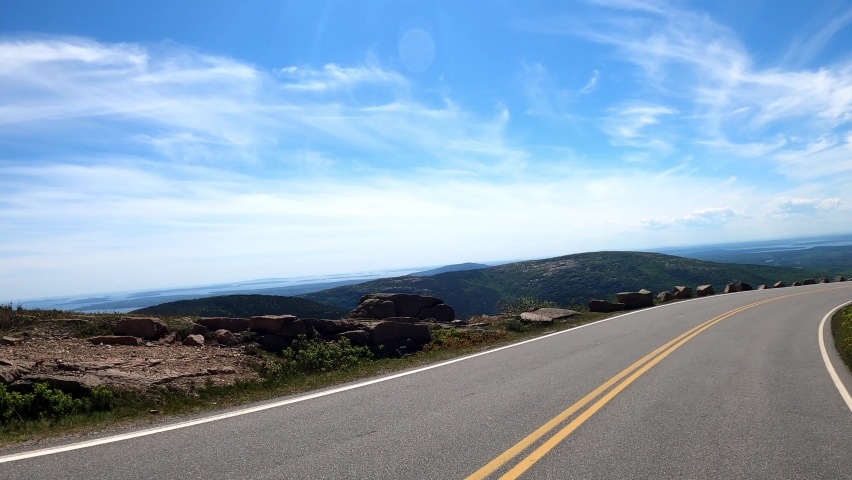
281 403
825 358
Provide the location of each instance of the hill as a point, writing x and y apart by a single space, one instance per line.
567 280
459 267
245 306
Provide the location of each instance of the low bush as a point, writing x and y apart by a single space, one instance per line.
524 304
841 328
451 338
309 356
43 402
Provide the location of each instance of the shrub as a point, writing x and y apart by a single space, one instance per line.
43 402
842 330
450 338
523 304
307 356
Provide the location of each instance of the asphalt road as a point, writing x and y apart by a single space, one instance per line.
748 397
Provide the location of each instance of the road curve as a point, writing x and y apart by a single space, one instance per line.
731 386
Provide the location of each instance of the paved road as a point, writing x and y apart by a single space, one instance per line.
749 397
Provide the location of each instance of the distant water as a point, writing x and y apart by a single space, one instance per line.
123 302
764 246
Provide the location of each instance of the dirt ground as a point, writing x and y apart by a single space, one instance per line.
154 364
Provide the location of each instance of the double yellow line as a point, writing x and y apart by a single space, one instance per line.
632 373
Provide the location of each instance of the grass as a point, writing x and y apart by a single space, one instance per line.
282 377
841 329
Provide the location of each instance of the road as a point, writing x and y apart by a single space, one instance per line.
747 395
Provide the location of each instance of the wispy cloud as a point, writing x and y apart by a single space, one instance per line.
699 67
788 207
591 84
707 217
629 126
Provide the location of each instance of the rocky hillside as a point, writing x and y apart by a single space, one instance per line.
246 306
568 280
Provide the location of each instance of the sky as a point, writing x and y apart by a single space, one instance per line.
149 144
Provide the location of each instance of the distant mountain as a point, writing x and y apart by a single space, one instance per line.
246 306
459 267
837 259
568 280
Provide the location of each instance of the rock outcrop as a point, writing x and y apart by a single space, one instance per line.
633 300
232 324
391 334
116 340
681 292
142 327
385 305
704 291
282 325
194 340
225 337
549 315
605 306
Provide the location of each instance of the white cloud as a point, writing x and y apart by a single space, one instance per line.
787 207
591 84
692 63
629 125
698 218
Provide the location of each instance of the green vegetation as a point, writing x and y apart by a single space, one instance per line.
307 357
841 329
306 365
246 306
568 280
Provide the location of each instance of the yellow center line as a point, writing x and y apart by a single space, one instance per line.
541 431
640 367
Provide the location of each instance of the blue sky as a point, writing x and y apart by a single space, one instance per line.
154 144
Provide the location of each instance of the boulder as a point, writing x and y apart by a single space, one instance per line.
143 327
11 370
116 340
356 337
230 324
634 300
704 291
168 338
75 386
405 304
198 329
388 333
605 306
225 337
386 305
840 278
549 315
194 340
809 281
730 288
665 296
442 313
796 284
12 341
373 308
743 287
326 327
763 287
779 285
282 325
681 292
824 280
